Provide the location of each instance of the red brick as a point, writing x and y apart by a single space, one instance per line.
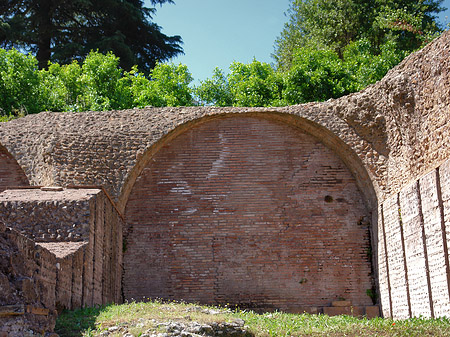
11 174
234 211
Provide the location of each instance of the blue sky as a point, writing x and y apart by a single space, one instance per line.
217 32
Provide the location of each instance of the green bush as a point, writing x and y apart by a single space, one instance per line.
315 75
253 84
98 83
19 82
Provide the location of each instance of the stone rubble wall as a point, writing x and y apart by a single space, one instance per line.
46 216
27 284
65 274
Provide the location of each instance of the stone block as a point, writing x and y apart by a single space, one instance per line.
372 311
304 309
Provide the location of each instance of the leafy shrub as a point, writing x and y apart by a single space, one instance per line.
18 83
315 75
253 84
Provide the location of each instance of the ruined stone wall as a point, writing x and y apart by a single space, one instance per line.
80 270
414 238
249 212
111 148
48 216
27 283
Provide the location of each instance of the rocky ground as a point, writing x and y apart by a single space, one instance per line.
172 329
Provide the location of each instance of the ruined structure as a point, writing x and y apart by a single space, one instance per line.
62 250
284 208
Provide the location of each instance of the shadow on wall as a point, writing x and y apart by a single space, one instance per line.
11 174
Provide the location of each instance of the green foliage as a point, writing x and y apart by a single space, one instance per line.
77 322
172 83
315 75
253 84
215 91
335 24
18 83
367 67
168 85
146 317
96 84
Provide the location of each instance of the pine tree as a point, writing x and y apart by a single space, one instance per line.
62 30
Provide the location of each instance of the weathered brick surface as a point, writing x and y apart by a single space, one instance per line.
78 273
434 244
11 174
99 232
77 277
64 268
444 183
412 221
27 278
251 212
68 273
396 262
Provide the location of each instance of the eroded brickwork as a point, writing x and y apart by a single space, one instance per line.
11 174
27 283
251 212
66 272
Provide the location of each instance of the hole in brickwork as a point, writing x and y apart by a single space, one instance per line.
328 198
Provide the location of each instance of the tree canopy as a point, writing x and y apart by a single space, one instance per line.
335 24
66 30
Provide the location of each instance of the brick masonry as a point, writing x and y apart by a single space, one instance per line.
73 271
11 174
249 212
392 137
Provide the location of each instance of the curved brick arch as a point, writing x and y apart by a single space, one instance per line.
247 210
366 183
11 174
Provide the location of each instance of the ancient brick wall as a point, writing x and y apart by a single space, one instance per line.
390 136
77 270
11 174
251 212
27 285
